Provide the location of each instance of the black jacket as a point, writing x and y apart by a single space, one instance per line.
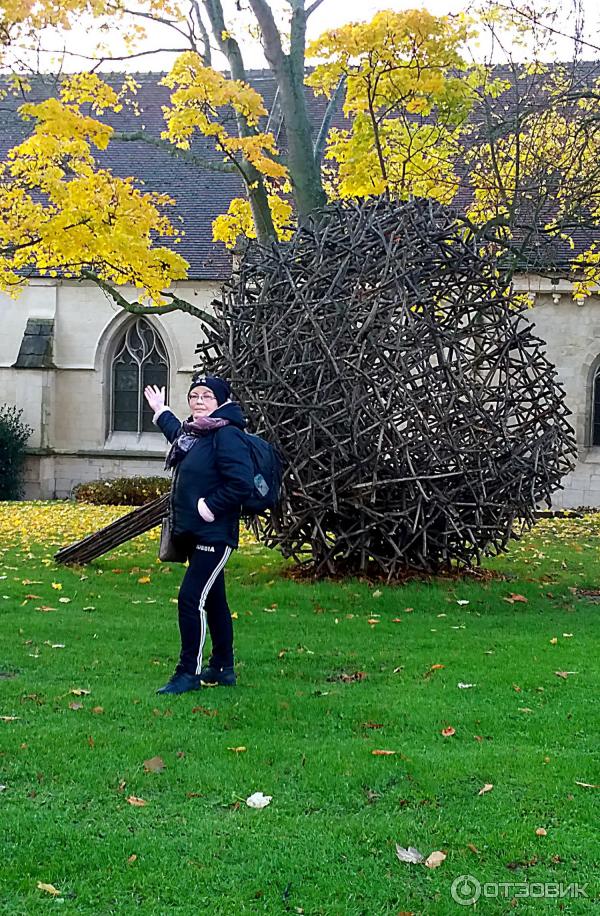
217 468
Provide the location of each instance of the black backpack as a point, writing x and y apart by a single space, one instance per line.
268 472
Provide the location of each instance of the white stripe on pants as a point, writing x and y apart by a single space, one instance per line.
202 605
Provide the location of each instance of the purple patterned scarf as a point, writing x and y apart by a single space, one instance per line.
191 430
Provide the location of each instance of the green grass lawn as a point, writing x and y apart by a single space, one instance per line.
70 763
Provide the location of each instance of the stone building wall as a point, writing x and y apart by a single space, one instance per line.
66 400
571 331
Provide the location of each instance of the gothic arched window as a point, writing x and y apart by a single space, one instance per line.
596 408
140 359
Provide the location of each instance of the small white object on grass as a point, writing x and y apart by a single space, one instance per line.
258 800
411 855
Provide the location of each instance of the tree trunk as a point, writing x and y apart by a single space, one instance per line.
305 173
288 69
261 212
255 185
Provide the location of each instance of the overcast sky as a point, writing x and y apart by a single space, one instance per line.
332 13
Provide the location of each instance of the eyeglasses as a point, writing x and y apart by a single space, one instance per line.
202 397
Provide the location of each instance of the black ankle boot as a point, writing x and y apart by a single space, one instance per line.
181 682
217 676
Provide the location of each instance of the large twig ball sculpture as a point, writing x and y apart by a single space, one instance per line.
420 419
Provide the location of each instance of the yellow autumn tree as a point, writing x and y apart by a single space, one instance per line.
517 146
61 213
419 120
534 182
398 70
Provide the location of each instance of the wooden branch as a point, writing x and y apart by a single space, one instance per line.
535 20
183 305
131 525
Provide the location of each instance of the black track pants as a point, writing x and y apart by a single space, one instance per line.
202 601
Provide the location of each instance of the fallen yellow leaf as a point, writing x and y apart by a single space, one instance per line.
48 889
435 859
136 802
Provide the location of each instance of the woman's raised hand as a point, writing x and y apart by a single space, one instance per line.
155 396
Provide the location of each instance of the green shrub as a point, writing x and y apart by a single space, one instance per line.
13 437
122 491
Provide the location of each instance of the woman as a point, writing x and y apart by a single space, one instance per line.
212 476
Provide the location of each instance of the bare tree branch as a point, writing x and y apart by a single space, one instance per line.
270 33
141 136
535 19
207 55
135 308
331 109
227 43
66 53
170 23
255 185
314 6
184 306
289 72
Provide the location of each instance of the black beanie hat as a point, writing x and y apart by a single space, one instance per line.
219 387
